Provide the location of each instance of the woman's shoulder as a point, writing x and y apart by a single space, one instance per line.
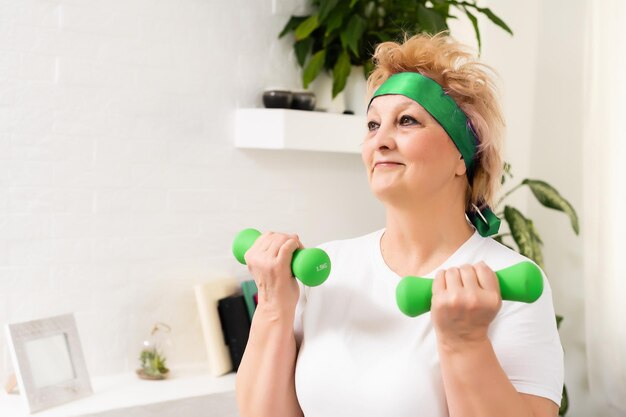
498 255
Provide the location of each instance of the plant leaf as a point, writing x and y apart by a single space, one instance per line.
559 319
474 21
351 36
313 68
549 197
506 171
334 21
564 402
430 21
368 67
305 28
326 6
520 231
302 49
382 36
533 232
292 24
536 243
329 39
353 2
341 71
495 19
443 8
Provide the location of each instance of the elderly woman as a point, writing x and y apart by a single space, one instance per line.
432 157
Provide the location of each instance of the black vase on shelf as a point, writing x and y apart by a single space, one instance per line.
303 100
277 99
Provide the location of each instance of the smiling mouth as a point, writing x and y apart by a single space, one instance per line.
387 164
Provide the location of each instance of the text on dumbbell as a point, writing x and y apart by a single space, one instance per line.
321 267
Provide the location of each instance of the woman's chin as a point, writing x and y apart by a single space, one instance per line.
386 193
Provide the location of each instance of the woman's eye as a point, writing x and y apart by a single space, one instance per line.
372 126
407 120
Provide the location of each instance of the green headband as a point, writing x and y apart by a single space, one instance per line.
441 106
430 95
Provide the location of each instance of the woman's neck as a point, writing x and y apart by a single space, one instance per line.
418 238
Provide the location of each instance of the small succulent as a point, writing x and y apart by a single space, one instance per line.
153 363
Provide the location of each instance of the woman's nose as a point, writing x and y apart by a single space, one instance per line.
385 137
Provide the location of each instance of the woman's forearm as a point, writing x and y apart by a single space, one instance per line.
265 378
476 385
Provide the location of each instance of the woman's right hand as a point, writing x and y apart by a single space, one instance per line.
269 262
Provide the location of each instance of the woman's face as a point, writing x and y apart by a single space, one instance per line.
407 154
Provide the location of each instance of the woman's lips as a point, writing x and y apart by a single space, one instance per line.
387 164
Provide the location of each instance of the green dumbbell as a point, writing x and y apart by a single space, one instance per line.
311 266
520 282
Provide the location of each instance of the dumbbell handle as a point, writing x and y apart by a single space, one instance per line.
520 282
311 266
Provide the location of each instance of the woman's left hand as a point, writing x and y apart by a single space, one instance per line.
465 301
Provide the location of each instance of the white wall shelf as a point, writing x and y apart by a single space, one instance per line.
299 130
127 395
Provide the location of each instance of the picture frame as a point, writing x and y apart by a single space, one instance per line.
48 361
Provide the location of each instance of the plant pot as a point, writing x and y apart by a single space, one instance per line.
355 92
322 87
303 100
151 377
277 99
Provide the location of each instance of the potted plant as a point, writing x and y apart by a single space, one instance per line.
524 235
522 230
152 357
340 35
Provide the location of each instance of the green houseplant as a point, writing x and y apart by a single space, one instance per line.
524 235
522 230
342 34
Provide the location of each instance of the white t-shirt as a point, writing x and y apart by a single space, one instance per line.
360 356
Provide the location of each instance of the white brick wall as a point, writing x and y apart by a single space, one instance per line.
119 185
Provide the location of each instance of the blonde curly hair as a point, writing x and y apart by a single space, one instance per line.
469 83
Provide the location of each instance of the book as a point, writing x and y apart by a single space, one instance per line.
207 297
235 325
249 292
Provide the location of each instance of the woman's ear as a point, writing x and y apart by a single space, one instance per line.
460 168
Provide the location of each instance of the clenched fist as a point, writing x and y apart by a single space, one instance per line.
465 301
269 262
